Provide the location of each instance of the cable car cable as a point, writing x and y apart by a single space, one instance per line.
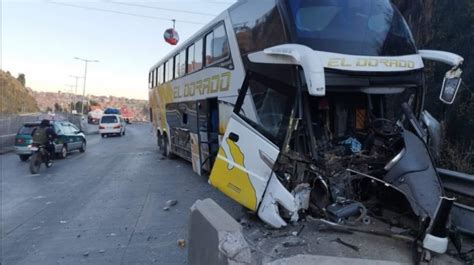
161 8
124 13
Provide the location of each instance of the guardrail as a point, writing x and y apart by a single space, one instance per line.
457 182
463 185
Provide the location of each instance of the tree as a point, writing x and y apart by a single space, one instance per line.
21 78
93 102
79 107
57 107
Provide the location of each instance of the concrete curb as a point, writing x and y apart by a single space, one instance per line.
214 237
327 260
5 150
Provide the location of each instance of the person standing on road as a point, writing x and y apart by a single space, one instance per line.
45 135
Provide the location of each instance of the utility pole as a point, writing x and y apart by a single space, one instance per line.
86 61
70 91
75 92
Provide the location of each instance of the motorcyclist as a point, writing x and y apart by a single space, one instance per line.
45 135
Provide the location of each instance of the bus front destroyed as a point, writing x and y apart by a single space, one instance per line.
350 157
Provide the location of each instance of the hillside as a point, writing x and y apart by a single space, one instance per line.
14 97
47 101
449 26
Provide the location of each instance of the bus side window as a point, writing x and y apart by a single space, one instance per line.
217 45
221 44
209 41
189 63
171 70
160 75
182 63
177 61
198 52
167 66
153 79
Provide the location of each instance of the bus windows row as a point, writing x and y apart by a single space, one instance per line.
206 51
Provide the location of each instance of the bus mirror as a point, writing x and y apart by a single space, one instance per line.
452 79
451 83
296 54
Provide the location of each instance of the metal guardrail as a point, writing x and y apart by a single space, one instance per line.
457 182
462 184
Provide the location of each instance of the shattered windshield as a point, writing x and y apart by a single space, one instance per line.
357 27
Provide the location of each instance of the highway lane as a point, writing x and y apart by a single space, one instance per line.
103 206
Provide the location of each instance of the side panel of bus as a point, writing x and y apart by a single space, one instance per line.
193 109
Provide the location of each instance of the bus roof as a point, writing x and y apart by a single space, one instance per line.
196 35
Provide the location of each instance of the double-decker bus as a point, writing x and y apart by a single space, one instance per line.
308 107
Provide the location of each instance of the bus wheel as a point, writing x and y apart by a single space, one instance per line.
166 151
159 141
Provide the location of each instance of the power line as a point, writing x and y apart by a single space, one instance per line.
124 13
221 2
161 8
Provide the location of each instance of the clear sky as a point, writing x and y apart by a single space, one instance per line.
40 39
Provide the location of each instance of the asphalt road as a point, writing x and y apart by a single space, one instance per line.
104 206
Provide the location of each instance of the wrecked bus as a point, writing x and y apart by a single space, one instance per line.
310 107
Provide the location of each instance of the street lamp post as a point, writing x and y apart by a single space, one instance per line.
71 90
75 92
86 61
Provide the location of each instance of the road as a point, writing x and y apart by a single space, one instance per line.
104 206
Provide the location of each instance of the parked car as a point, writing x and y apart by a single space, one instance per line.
112 124
23 140
70 138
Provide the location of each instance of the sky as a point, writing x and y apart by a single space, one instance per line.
40 38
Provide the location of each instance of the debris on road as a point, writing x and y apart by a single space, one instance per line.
86 254
294 242
181 243
102 251
62 222
297 233
340 241
169 204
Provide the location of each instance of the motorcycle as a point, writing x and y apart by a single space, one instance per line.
40 155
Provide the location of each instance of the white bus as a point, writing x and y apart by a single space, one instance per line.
313 107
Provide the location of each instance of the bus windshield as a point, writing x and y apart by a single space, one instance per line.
355 27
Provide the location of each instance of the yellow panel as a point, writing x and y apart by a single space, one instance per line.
233 182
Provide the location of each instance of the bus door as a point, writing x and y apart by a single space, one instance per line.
252 140
208 133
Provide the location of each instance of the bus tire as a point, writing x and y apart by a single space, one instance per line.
159 141
167 147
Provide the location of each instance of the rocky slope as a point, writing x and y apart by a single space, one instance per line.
14 97
448 25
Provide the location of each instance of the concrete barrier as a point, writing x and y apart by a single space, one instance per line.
215 237
327 260
9 126
6 143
